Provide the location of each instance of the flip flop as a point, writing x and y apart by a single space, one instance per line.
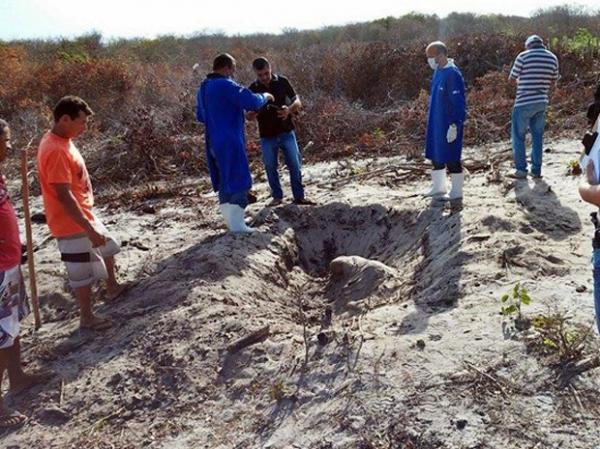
35 378
12 419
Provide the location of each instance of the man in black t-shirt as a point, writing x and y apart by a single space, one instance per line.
276 129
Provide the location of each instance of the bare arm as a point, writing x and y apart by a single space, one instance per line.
285 111
296 105
71 206
588 189
590 193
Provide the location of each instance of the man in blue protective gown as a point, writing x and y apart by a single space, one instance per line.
447 113
221 103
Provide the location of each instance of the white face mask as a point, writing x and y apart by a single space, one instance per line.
432 63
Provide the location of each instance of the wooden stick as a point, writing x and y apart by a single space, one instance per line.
30 262
249 340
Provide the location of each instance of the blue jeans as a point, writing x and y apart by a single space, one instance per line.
596 261
529 117
293 160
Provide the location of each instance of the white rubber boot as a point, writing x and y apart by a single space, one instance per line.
438 183
225 212
237 225
456 192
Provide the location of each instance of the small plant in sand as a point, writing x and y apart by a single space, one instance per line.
280 391
573 167
558 335
511 309
353 169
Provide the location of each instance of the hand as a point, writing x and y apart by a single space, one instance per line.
284 112
251 115
269 96
96 238
451 134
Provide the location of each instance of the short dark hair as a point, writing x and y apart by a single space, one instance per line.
222 61
71 106
439 47
3 126
260 63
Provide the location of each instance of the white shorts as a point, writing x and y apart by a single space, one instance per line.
13 305
85 265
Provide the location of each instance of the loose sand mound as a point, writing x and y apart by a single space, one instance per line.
369 321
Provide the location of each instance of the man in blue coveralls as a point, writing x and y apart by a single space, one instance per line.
447 114
221 103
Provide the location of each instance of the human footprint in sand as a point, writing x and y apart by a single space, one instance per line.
13 301
86 247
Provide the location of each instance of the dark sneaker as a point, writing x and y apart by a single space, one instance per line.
275 202
536 175
517 174
304 202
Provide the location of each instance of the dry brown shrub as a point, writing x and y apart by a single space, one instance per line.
361 97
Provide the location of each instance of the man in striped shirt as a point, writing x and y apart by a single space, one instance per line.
534 70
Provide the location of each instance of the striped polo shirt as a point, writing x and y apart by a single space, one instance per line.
535 69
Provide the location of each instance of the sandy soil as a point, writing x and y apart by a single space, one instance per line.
383 315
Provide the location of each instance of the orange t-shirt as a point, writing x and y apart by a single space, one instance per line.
59 162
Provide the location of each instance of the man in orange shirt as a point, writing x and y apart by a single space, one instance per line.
84 243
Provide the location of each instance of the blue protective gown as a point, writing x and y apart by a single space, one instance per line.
221 103
447 106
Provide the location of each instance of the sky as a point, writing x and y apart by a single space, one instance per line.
24 19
